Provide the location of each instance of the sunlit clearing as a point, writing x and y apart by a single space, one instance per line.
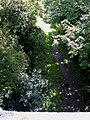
41 24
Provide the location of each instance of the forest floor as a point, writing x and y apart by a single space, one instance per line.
71 101
72 98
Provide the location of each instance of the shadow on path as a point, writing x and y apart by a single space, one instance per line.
71 94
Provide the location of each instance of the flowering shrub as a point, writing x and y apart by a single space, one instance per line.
30 96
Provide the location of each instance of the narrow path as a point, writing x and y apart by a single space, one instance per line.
71 97
71 94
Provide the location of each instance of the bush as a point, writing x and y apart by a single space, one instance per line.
13 61
30 96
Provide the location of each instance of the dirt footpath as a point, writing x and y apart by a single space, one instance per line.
71 94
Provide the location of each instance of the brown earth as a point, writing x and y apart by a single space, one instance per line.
71 94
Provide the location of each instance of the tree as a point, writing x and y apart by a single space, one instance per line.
22 47
71 19
13 62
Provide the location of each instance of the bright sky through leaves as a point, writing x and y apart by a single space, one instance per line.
45 27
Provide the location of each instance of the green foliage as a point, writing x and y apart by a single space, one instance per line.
54 76
29 96
20 19
13 61
72 22
22 48
71 19
36 47
84 57
17 13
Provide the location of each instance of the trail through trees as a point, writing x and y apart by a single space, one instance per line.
71 94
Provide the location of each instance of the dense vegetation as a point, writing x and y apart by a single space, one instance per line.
20 53
29 77
24 59
71 19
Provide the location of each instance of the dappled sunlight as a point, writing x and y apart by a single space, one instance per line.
62 63
44 26
66 61
49 65
44 56
57 52
55 42
25 0
57 63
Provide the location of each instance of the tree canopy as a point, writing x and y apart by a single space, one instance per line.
27 68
